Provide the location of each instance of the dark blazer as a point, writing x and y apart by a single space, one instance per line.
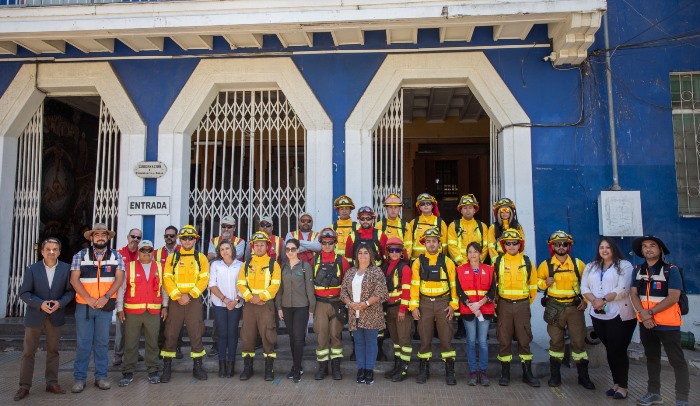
35 290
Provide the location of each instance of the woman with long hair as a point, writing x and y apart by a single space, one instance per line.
363 291
505 216
606 286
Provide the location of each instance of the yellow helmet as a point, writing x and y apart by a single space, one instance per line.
505 202
468 200
560 236
425 197
431 232
188 231
343 201
512 234
260 236
393 200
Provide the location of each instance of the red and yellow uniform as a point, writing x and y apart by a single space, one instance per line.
421 223
463 232
398 228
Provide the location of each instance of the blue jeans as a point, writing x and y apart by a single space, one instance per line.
227 331
477 330
92 330
365 347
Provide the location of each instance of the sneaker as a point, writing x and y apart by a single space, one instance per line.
78 386
473 377
360 375
213 351
650 399
153 377
103 384
290 375
126 380
484 379
369 376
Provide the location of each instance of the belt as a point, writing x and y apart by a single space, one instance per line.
326 299
513 300
434 298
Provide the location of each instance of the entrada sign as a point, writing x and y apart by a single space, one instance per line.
148 205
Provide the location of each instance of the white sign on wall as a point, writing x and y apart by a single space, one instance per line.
620 214
148 205
150 169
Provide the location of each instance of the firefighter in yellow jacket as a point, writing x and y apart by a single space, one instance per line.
393 225
345 225
560 278
185 277
465 230
505 216
429 217
434 303
258 282
516 285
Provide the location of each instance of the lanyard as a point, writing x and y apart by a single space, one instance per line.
99 268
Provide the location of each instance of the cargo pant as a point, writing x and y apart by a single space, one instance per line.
513 321
432 314
327 327
573 319
191 316
259 319
400 332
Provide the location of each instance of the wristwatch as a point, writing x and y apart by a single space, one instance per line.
650 312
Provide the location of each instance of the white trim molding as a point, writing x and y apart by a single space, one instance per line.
213 76
471 69
32 84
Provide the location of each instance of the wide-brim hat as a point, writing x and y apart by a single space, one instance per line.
637 245
99 227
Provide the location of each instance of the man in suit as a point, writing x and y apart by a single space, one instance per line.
46 290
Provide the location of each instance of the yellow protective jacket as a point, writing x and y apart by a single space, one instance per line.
260 280
183 275
433 289
512 281
495 248
393 228
343 228
469 232
566 285
418 226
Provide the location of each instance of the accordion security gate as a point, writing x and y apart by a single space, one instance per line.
387 153
247 161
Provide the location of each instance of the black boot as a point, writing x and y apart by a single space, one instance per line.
423 371
222 369
528 377
583 378
229 368
380 349
554 372
269 372
322 371
167 370
397 367
247 368
402 374
335 369
505 374
450 371
198 369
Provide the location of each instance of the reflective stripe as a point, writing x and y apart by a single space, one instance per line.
449 354
139 306
248 354
336 353
425 355
525 357
271 355
505 358
578 356
557 355
94 280
196 291
322 355
525 292
95 263
167 354
198 354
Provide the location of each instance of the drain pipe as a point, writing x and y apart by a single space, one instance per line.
611 109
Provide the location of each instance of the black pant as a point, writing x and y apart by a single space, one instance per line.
671 339
616 335
296 319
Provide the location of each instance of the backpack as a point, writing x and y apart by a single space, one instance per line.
683 299
177 255
528 265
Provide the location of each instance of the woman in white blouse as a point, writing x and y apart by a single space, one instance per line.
606 286
223 274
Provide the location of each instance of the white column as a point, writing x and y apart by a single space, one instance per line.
8 173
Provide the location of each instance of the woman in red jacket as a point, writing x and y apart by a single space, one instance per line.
476 290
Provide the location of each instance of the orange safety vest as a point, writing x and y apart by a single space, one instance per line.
97 274
143 294
653 289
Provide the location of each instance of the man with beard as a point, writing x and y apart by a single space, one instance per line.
129 253
308 239
228 228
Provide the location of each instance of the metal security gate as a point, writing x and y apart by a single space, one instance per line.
494 149
248 157
106 207
25 232
387 154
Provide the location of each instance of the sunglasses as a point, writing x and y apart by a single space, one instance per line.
266 225
305 221
292 249
365 218
169 235
188 238
327 242
146 251
511 243
135 237
227 226
561 244
426 204
394 250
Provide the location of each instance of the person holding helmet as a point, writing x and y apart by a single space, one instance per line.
505 216
434 303
373 237
393 225
329 270
429 217
466 230
259 281
516 285
399 323
344 225
185 277
560 279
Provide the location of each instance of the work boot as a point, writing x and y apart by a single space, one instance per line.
167 370
505 374
198 370
269 372
528 377
402 374
229 368
222 369
335 369
322 371
450 371
423 371
247 368
397 367
554 372
583 378
380 350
